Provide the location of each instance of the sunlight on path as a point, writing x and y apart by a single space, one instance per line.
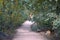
25 33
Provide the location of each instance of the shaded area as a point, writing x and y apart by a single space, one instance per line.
4 36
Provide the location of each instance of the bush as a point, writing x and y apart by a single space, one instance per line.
10 22
48 22
44 20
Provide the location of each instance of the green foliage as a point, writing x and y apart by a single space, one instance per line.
14 12
47 18
46 15
11 16
56 23
10 22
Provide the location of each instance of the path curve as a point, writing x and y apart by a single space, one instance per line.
25 33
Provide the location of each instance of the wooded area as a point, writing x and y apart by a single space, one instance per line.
46 14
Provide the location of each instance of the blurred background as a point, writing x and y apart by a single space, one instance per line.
45 14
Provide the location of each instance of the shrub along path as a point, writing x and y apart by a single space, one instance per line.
25 33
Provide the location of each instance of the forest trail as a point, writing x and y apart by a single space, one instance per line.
25 33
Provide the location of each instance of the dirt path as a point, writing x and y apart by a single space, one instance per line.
25 33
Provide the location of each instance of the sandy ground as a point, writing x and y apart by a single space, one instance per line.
25 33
